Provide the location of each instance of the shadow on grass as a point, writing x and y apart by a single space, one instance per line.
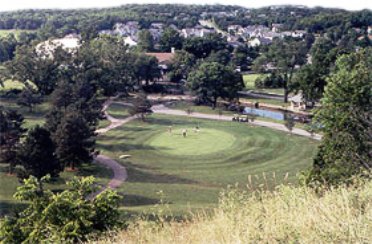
125 147
137 200
138 174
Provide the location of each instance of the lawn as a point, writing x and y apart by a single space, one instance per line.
183 105
119 111
190 172
249 81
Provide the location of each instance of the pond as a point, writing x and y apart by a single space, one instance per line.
264 113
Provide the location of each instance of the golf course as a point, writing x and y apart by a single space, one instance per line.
188 172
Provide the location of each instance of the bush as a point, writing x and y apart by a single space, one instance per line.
65 217
271 81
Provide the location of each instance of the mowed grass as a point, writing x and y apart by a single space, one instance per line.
190 181
119 111
195 142
185 106
249 81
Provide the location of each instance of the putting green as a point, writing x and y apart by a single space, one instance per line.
206 141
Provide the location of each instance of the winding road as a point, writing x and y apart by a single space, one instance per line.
120 173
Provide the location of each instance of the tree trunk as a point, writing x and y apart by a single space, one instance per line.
286 94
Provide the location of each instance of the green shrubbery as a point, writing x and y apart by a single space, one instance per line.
69 216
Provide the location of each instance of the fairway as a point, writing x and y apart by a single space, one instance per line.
191 171
206 141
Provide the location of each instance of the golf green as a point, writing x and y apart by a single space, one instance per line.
204 141
190 172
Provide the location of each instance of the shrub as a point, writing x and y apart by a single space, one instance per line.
65 217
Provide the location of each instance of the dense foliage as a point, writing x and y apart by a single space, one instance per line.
65 217
345 116
211 81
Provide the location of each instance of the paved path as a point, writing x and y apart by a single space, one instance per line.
161 109
120 173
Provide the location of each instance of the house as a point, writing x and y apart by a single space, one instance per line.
297 102
130 41
128 29
156 34
69 43
197 31
298 33
276 27
234 28
259 41
164 60
157 25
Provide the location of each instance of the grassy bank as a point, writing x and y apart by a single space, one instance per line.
288 215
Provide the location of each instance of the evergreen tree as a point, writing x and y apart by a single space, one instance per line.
36 154
74 140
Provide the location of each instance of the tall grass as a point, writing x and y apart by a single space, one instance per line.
287 215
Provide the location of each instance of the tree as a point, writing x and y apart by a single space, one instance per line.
11 132
141 106
211 81
146 68
65 217
289 122
74 140
170 39
201 47
311 78
119 73
240 57
36 154
29 98
221 57
145 41
39 68
285 55
345 116
181 66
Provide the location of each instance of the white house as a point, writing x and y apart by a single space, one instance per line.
129 41
69 43
259 41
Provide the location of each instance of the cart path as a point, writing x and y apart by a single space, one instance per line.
161 109
119 171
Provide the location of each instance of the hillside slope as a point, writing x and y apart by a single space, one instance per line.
288 215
